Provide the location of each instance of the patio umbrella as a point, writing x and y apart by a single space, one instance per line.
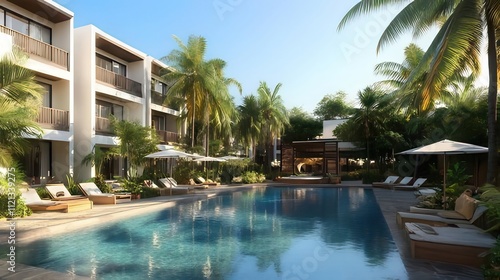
230 157
171 153
445 147
207 158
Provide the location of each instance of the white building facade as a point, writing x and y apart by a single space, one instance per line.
89 77
44 31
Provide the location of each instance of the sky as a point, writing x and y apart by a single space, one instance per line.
294 42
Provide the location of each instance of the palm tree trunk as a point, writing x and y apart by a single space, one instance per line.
492 101
192 122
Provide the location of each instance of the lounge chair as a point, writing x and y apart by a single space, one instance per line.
459 245
58 192
466 211
416 186
202 181
90 190
172 186
161 191
388 181
35 203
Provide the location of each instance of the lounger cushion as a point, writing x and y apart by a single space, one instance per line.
464 208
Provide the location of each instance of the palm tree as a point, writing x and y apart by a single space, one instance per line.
20 97
455 49
369 117
219 106
192 79
274 117
406 98
249 124
201 85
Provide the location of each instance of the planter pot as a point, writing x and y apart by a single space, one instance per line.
136 196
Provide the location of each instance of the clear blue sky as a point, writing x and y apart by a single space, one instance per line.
292 42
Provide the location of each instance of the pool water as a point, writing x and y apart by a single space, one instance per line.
266 233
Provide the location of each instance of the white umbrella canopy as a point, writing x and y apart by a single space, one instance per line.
209 159
446 147
171 153
230 157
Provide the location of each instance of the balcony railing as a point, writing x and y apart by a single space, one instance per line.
119 81
38 48
157 98
167 136
103 125
53 118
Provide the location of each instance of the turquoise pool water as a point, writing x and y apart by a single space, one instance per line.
269 233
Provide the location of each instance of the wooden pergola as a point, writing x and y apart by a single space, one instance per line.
325 149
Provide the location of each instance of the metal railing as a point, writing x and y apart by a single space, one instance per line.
118 81
33 46
53 118
167 136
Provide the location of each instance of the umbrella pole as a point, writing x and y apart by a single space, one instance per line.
444 182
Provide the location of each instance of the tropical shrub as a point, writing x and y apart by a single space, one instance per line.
72 186
43 193
9 195
101 184
251 177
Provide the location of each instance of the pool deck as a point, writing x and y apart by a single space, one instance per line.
45 224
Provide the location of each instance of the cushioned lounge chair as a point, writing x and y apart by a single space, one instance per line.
464 246
416 186
466 211
172 186
202 181
35 203
58 192
91 191
391 181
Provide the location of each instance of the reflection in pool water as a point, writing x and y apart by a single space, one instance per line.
267 233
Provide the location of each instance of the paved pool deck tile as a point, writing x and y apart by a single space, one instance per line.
46 224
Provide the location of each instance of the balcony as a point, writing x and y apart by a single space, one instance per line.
157 98
53 118
35 47
167 136
118 81
103 126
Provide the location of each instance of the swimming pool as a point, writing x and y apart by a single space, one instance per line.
266 233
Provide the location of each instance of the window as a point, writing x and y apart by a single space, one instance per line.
111 65
17 23
25 26
159 122
40 32
160 87
105 109
47 97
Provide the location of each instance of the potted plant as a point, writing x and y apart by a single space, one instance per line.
133 187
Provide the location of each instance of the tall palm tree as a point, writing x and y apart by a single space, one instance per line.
455 49
249 124
369 117
192 79
274 116
219 106
20 100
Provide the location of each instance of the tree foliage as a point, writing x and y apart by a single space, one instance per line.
333 106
